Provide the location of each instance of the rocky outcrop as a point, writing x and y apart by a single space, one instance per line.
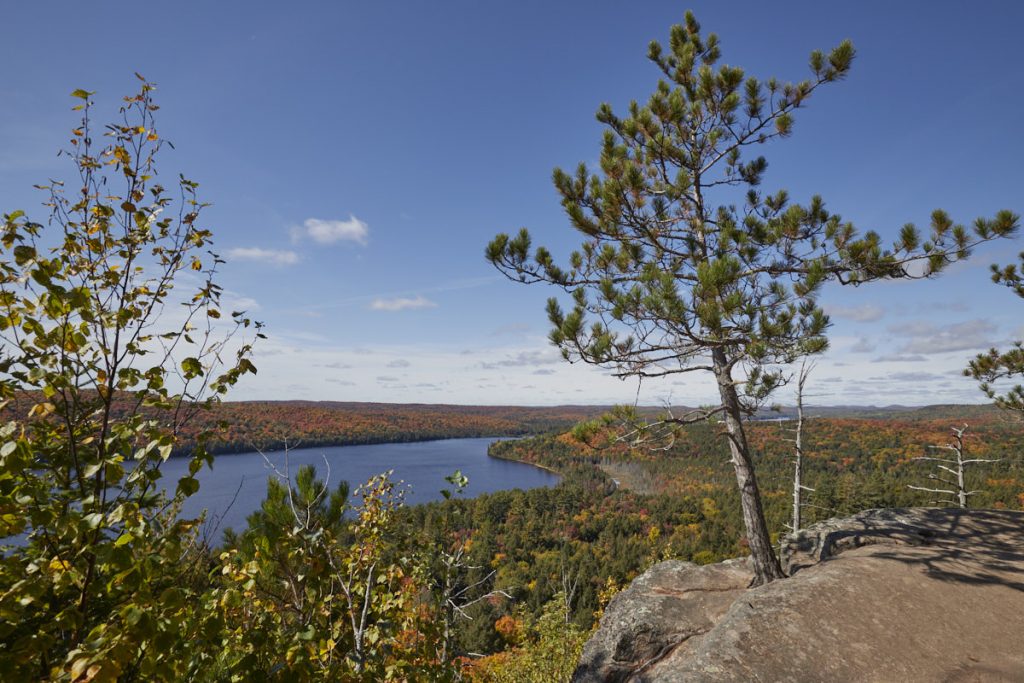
664 607
885 595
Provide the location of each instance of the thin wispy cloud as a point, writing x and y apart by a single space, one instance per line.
274 257
913 377
450 286
863 345
402 303
926 338
862 314
324 231
525 359
901 358
237 302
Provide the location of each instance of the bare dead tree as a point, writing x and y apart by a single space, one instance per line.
455 598
952 471
570 582
454 592
798 447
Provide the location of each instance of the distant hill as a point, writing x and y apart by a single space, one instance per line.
941 411
244 425
271 424
950 411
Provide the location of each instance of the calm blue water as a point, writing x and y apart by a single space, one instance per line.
423 465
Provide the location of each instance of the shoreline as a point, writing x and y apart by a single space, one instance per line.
231 449
553 471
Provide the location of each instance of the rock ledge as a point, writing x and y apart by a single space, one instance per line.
919 594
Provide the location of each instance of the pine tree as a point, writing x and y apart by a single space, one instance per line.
994 367
687 266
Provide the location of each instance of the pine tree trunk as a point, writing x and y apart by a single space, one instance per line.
766 564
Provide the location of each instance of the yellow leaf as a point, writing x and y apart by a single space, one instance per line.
78 667
42 409
59 565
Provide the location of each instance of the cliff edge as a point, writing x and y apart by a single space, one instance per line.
921 594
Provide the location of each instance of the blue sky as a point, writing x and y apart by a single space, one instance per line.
359 156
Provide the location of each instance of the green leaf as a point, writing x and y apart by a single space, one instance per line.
187 486
23 253
191 367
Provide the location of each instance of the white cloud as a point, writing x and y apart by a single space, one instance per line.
912 377
531 358
436 374
236 302
275 257
927 338
335 366
914 328
330 231
862 314
402 303
863 345
532 373
900 358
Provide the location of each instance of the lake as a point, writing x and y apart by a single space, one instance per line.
422 465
